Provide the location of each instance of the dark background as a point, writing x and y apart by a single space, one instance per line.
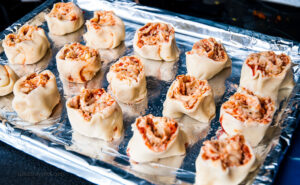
17 167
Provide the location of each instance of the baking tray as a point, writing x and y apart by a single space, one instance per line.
103 163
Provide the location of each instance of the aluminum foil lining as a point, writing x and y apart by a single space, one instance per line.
294 3
54 142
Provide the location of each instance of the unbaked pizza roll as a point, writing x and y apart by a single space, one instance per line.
94 113
155 138
105 30
156 41
190 96
247 114
27 46
224 162
7 80
64 18
78 63
206 59
36 95
265 73
127 80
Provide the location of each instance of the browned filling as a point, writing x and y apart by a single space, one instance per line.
157 132
188 90
154 33
64 11
103 18
78 52
231 151
249 107
24 33
33 81
210 48
91 101
128 67
267 62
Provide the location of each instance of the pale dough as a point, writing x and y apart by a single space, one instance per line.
35 96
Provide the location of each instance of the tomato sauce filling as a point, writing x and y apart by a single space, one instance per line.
103 18
248 107
157 132
91 101
24 33
33 81
128 68
209 48
268 63
187 89
78 52
154 33
231 151
64 11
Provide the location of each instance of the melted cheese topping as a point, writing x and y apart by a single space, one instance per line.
187 89
103 18
77 52
231 151
209 48
157 132
268 63
249 107
128 68
92 101
24 33
154 34
33 81
64 11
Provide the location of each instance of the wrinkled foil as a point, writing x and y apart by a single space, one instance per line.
54 142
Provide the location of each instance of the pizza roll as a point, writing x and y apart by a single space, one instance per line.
127 80
247 114
155 138
206 59
191 97
156 41
7 80
78 63
105 30
94 113
224 162
64 18
27 46
36 95
264 73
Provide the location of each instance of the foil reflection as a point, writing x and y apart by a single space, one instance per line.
108 55
217 83
92 147
71 89
61 40
161 70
